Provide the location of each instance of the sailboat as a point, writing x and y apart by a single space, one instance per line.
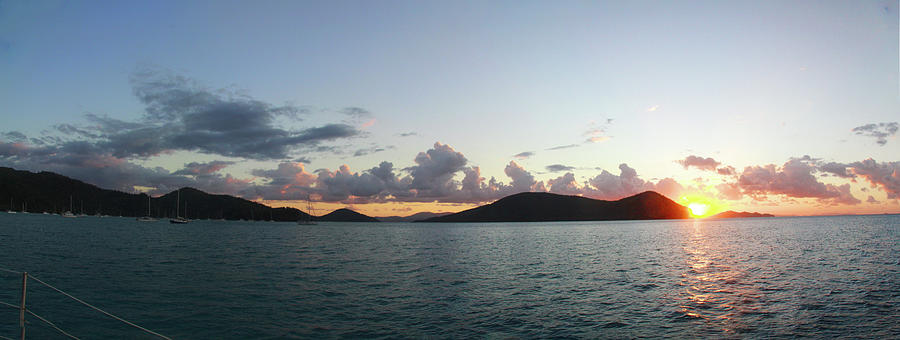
178 219
10 211
147 218
309 216
69 213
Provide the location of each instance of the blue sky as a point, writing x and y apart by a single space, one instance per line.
745 83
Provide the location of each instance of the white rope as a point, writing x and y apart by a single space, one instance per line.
9 271
5 338
39 317
98 309
52 325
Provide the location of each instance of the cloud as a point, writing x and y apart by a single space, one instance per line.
195 168
872 200
181 115
609 186
729 191
701 163
15 136
559 168
432 176
596 134
563 147
408 134
564 185
879 131
794 179
726 170
652 108
836 169
356 112
524 155
522 180
880 174
371 150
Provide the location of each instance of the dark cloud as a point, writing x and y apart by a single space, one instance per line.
524 155
408 134
15 136
195 168
871 199
181 115
698 162
879 131
559 168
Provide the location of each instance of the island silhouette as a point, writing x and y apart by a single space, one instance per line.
546 207
53 193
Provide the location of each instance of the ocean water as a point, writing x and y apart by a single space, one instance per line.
816 277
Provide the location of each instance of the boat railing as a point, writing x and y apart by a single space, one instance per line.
23 310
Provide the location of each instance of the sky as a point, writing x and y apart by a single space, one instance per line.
397 107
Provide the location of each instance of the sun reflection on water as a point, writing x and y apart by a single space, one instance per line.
714 291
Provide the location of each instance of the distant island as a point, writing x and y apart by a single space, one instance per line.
346 215
546 207
739 214
412 218
54 193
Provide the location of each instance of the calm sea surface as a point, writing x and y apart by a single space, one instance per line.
767 277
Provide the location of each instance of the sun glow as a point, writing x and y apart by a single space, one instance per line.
698 209
702 206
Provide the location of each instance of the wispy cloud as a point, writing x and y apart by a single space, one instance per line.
561 147
524 155
559 168
652 108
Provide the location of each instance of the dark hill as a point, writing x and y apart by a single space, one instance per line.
345 215
50 192
739 214
411 218
541 206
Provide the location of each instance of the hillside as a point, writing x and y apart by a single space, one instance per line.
346 215
411 218
539 206
50 192
739 214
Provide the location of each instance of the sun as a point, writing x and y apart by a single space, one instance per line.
698 209
701 206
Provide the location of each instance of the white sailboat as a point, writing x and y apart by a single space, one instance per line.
308 220
178 219
147 218
69 213
10 210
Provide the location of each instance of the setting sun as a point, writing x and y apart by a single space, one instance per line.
702 206
698 209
